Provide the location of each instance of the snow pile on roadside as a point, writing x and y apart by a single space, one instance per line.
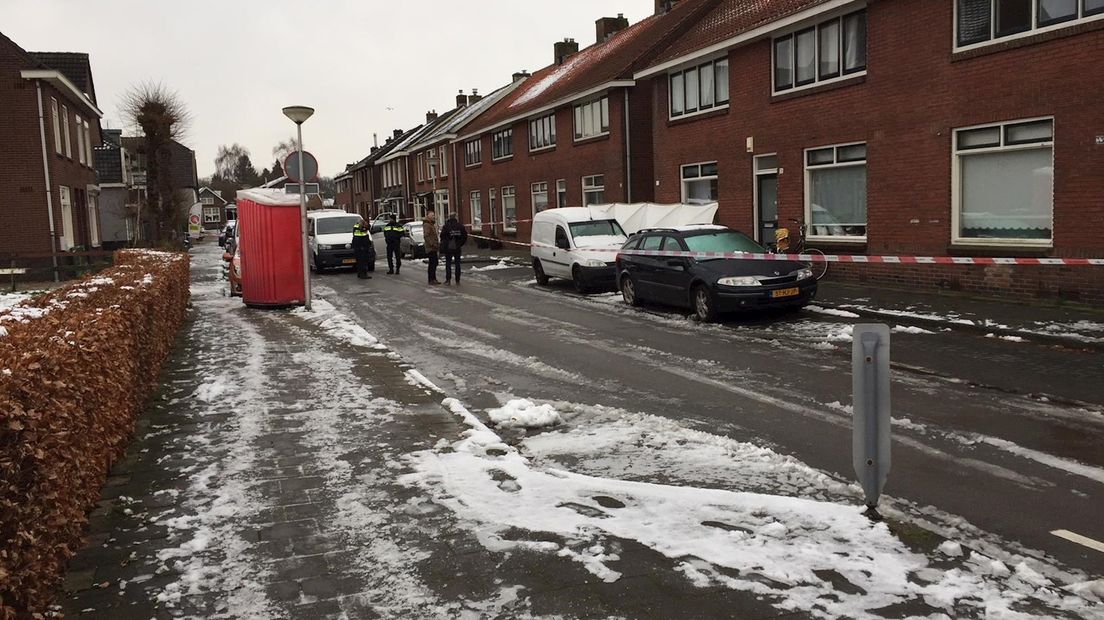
10 300
338 325
523 413
793 551
501 264
911 329
831 311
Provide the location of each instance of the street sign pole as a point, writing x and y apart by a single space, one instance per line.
870 440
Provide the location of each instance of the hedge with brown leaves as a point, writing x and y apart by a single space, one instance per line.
72 382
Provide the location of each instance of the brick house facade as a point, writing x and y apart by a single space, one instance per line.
51 124
214 208
927 144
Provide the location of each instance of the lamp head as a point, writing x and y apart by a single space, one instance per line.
298 113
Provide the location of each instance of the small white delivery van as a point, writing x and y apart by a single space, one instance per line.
575 243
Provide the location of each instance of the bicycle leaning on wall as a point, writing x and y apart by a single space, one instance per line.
785 245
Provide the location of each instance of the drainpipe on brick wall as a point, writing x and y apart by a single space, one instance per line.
628 151
46 171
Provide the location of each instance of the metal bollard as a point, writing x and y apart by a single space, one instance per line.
870 440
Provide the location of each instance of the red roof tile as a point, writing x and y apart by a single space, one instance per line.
729 19
598 64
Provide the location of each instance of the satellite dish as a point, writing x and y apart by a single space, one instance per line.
291 167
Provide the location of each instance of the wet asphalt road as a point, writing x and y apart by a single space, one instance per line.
1006 435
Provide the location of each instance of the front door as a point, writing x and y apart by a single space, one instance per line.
767 185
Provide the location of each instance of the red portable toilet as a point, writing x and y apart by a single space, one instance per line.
270 242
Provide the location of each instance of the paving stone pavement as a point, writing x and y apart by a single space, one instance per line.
263 482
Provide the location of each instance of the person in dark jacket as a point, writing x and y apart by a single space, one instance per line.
453 238
432 244
393 234
362 245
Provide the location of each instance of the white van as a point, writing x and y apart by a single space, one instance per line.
572 242
330 237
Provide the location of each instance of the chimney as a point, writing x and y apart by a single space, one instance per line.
475 96
664 6
606 27
565 48
520 75
375 140
461 99
374 149
397 134
431 116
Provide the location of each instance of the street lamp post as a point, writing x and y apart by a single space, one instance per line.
298 115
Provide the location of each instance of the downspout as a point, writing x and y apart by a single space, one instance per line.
46 172
628 151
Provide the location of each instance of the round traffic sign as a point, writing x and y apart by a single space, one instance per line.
194 219
291 167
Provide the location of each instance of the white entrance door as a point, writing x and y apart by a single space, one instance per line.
68 238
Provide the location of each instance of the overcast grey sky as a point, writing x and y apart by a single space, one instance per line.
366 66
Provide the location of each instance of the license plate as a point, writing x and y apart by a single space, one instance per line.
349 261
785 292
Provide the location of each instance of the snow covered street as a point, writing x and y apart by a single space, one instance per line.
411 453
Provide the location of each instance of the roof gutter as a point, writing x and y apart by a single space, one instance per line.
746 36
62 83
552 106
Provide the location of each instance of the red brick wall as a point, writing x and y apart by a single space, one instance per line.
570 161
915 93
24 225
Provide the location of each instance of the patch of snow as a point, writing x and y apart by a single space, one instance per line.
831 311
1004 337
338 325
951 548
524 413
501 264
910 329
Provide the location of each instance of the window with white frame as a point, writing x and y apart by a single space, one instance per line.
492 203
699 183
981 21
88 143
476 210
473 152
1004 188
68 135
442 162
835 191
509 209
542 132
207 200
80 137
421 167
68 231
594 190
57 125
561 193
93 221
830 50
502 144
211 215
540 197
700 88
592 118
431 164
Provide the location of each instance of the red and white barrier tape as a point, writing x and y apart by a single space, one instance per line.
840 258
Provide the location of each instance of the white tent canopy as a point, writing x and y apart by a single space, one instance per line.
641 215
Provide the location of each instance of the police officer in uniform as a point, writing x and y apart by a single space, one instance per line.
393 234
362 245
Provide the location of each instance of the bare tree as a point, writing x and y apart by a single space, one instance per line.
163 118
285 148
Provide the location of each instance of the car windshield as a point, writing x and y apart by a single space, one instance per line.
597 228
335 225
722 241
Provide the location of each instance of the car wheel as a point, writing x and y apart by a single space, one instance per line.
628 291
704 308
577 280
538 271
318 268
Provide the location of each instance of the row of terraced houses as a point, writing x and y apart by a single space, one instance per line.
899 127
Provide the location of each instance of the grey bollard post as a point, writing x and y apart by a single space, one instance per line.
870 441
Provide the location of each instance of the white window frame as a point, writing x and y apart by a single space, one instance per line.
57 126
476 202
421 167
211 215
713 107
589 188
207 200
93 221
68 230
685 182
88 143
844 74
473 152
501 141
509 191
561 192
442 165
1035 28
67 131
535 189
80 137
597 111
956 182
809 186
542 133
